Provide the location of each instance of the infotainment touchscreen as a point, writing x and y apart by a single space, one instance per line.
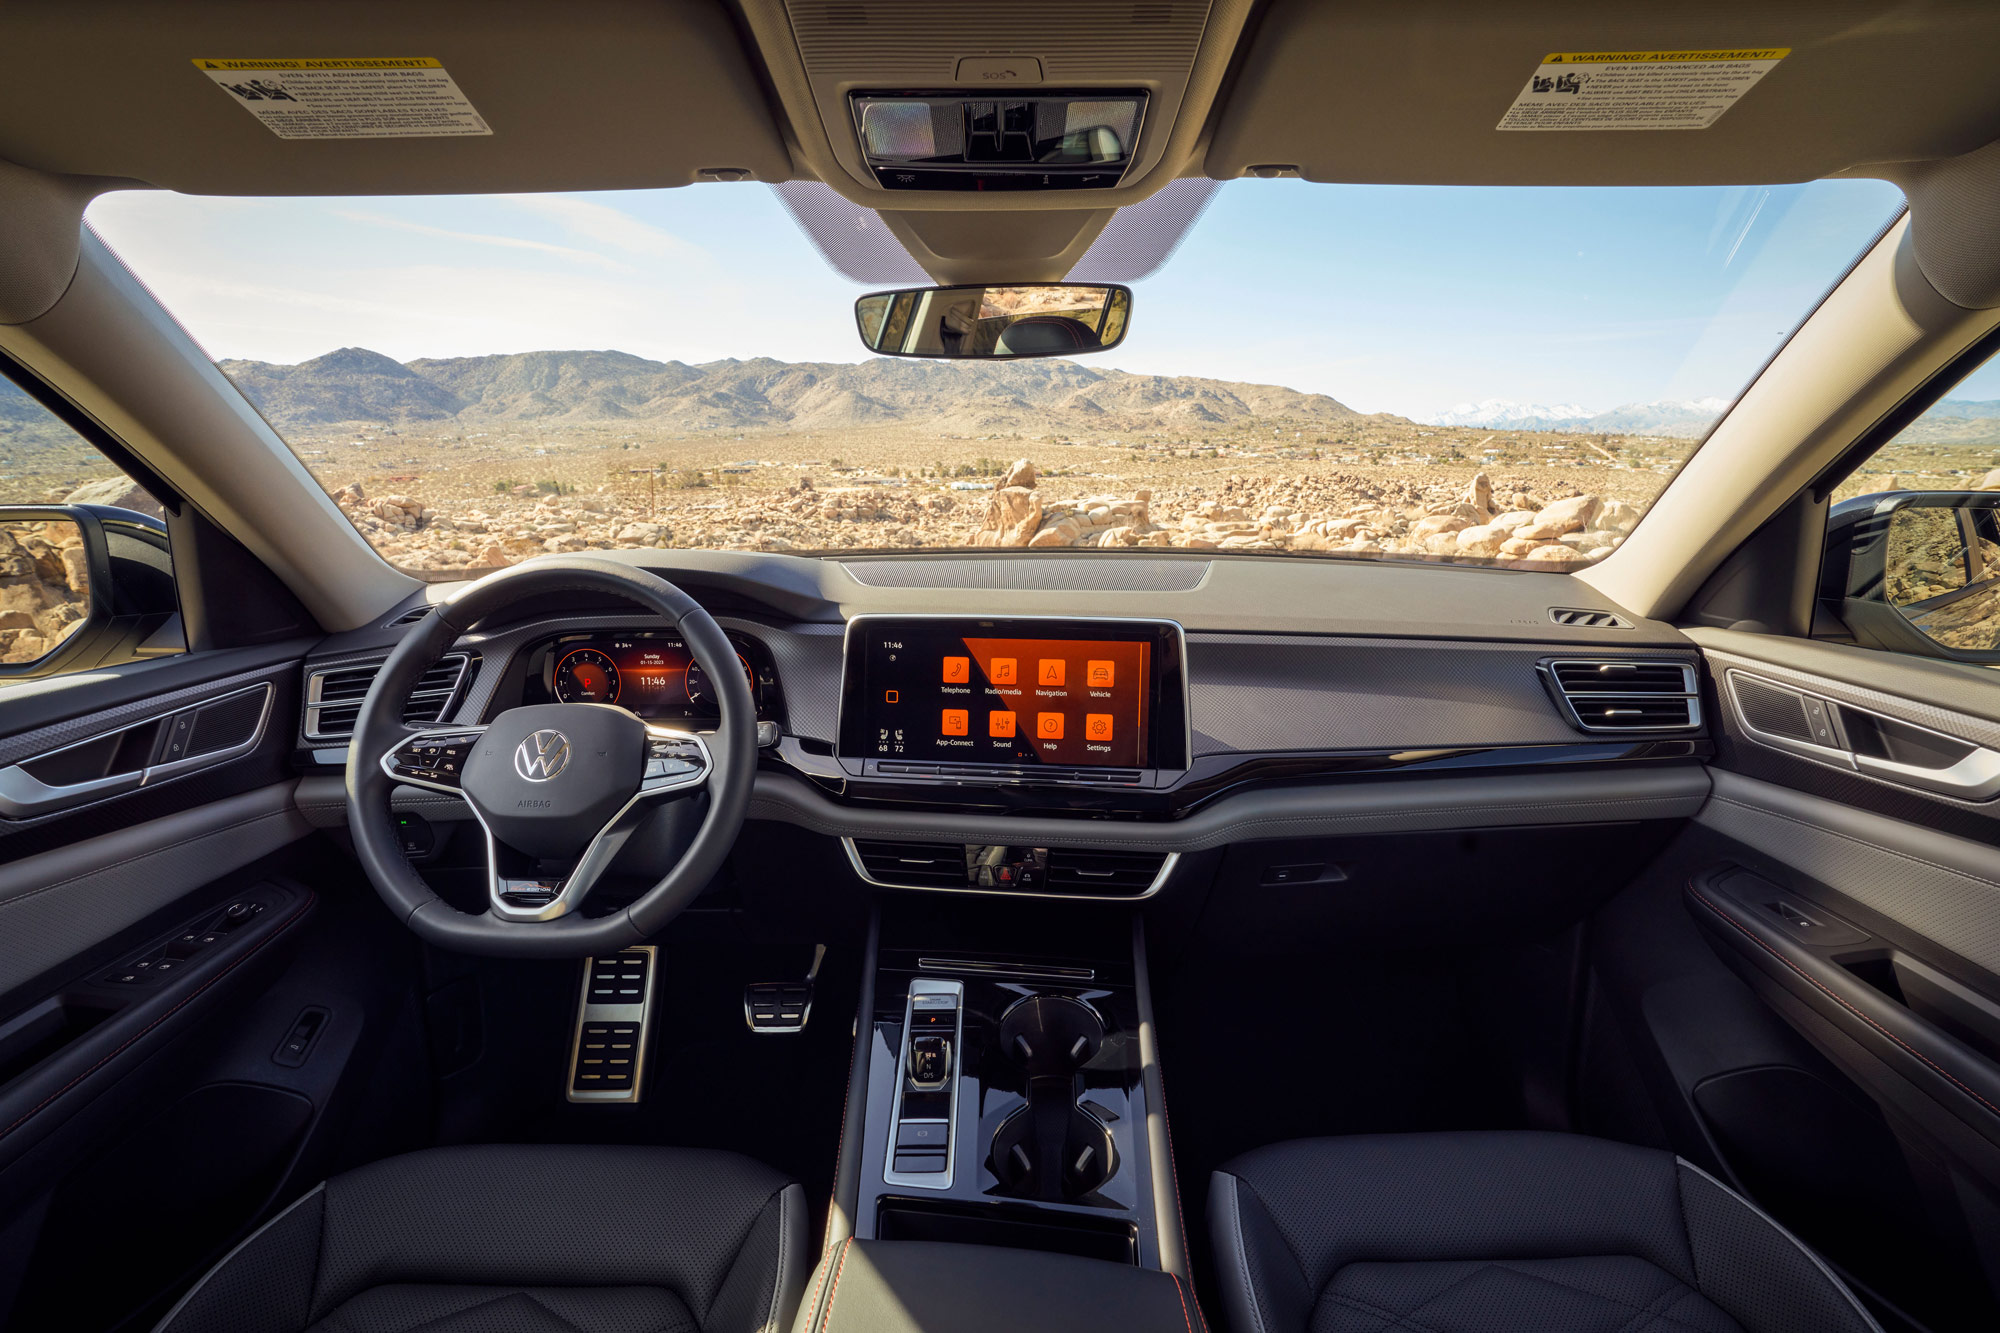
1071 694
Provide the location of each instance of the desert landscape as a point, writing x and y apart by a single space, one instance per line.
451 467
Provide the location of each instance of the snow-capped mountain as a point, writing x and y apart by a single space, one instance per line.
1682 416
1510 414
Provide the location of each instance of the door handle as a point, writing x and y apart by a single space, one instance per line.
24 796
1975 777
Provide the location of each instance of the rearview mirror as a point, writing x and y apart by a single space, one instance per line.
980 323
1922 572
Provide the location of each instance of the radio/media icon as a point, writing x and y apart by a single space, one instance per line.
957 721
999 724
1051 671
1003 671
957 670
1099 675
1049 726
1097 726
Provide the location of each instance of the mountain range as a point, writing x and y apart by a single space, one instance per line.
1679 417
354 386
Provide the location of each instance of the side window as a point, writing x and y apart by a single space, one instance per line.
86 574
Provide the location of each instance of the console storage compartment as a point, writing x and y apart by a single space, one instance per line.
892 1286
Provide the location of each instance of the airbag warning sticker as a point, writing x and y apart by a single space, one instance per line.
348 99
1637 90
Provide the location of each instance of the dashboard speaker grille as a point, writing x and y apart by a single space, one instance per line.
334 695
1773 711
1623 694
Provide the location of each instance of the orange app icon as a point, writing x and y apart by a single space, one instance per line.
1002 671
1051 671
957 670
957 721
1000 724
1097 726
1049 725
1098 675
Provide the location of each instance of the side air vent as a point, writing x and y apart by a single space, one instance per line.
1626 695
1578 618
917 865
1109 874
334 695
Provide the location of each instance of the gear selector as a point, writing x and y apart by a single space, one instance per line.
921 1151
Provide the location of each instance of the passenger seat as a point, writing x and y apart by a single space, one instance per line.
1489 1232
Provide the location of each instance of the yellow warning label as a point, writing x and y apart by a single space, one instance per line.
380 97
1637 90
1664 57
391 62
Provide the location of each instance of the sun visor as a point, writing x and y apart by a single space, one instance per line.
1576 92
383 96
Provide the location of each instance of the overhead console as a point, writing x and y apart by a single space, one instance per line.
1020 141
1014 700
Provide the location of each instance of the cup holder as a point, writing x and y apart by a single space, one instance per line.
1052 1150
1049 1036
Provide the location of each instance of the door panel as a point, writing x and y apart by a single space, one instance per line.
1850 875
162 934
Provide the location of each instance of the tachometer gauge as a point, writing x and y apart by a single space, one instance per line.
697 681
586 676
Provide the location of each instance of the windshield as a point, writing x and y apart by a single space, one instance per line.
1470 375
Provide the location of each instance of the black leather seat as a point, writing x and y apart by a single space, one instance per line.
521 1240
1485 1233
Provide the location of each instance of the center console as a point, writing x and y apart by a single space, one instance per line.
1011 1096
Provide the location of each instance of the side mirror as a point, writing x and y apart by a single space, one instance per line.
1917 572
82 586
995 323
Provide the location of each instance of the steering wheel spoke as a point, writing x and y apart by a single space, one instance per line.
433 758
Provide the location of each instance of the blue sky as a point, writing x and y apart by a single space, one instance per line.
1401 299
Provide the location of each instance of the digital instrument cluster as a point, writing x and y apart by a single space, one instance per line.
653 675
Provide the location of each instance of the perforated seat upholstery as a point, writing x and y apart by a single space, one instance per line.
1499 1232
521 1240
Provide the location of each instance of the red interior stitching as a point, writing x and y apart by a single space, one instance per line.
819 1282
840 1145
1183 1300
1829 993
833 1293
185 1001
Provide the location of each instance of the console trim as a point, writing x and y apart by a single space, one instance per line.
929 1180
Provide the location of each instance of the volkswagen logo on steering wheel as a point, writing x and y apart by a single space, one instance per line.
542 756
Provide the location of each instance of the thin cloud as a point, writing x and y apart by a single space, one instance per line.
482 238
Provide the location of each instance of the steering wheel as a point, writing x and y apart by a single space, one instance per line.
558 788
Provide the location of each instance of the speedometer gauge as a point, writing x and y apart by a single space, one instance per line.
586 676
697 681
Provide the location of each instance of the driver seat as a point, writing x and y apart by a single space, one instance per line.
562 1239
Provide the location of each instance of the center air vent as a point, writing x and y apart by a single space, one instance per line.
915 865
1112 874
334 695
1067 872
1626 695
